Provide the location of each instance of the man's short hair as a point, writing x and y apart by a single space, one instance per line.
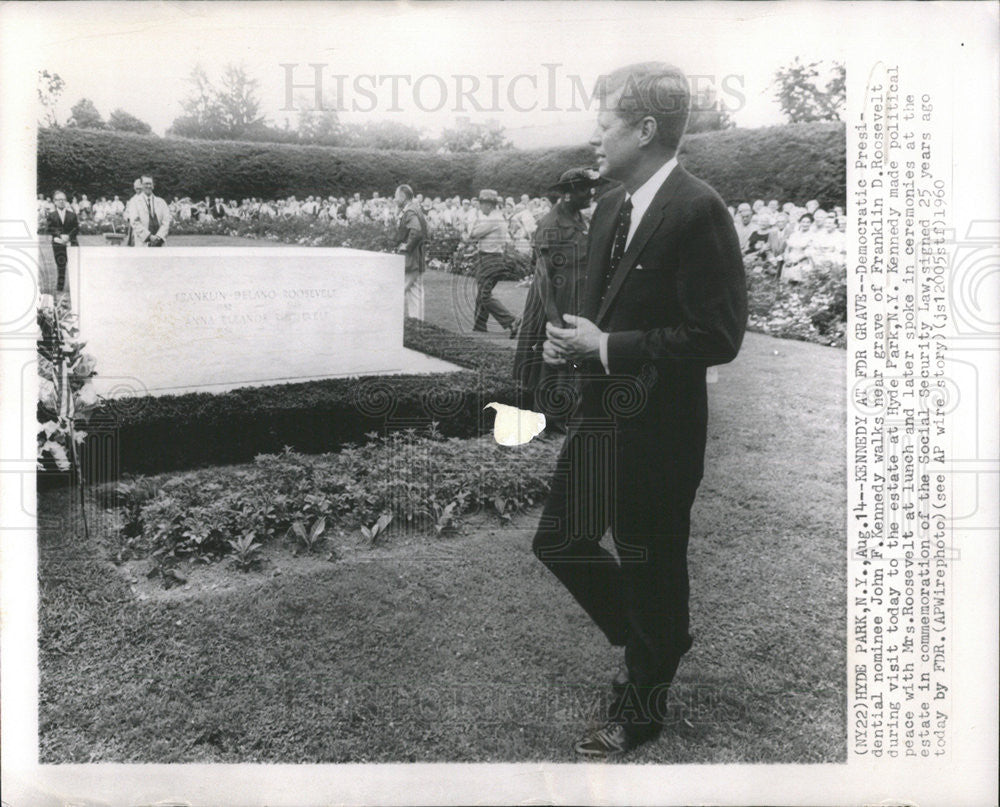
406 190
650 89
56 192
145 177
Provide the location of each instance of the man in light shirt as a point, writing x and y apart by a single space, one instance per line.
150 217
665 298
490 236
136 194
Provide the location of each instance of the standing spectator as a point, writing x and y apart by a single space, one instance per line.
150 217
490 236
136 196
556 289
63 226
411 235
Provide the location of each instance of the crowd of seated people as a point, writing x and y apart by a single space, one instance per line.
791 241
785 240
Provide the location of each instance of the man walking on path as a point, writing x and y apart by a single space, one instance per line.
489 234
665 299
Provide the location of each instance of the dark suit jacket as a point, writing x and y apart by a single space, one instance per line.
411 230
70 227
676 305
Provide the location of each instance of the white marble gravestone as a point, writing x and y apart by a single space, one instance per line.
182 319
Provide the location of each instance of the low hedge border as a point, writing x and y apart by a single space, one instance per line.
173 432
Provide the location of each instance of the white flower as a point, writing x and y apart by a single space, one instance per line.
87 395
58 454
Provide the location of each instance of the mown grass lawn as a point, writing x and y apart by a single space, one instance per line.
465 648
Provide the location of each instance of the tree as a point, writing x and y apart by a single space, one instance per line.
468 136
122 121
50 87
84 115
321 126
707 114
230 111
237 102
384 134
802 99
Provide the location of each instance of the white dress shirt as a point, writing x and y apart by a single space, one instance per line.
641 200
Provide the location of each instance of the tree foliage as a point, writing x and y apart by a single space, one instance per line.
227 111
84 115
802 98
122 121
384 134
469 136
50 87
707 113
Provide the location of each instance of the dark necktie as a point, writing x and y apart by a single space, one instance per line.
154 223
618 247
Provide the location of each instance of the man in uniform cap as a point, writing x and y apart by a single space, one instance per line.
490 235
557 288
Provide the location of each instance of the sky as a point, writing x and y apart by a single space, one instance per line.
529 66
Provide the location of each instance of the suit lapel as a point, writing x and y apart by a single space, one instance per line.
652 218
602 233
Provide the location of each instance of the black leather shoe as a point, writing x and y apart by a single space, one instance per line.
615 738
478 329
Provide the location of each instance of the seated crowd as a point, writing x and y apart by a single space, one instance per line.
781 239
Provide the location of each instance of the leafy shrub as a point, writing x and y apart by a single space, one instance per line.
101 163
413 480
792 163
813 311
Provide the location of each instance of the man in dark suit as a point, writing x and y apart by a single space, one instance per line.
63 227
665 299
411 236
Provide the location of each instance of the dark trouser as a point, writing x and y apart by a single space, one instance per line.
488 274
59 251
626 481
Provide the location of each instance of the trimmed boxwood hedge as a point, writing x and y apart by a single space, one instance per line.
100 163
171 432
790 163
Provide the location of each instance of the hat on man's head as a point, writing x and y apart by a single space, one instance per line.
488 195
577 179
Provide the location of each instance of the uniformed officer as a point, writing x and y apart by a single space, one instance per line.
560 248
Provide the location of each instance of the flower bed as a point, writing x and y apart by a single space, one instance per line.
412 480
812 311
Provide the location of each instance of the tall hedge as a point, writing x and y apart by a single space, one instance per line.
100 163
792 163
789 163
